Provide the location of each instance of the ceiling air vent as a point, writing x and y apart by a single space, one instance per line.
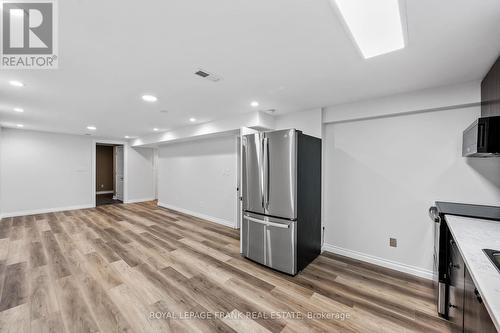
207 75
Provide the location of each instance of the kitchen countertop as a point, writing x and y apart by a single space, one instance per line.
468 210
472 236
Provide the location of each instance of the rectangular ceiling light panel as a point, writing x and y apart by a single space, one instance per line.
376 26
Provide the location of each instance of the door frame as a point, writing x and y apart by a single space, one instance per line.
239 204
115 167
95 142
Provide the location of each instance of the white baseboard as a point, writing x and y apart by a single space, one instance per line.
200 215
45 210
104 192
412 270
139 200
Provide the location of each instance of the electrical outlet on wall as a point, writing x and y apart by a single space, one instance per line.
393 242
102 185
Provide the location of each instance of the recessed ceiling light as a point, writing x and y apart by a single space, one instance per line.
149 98
16 83
192 120
155 129
20 125
18 110
127 137
376 26
254 104
92 128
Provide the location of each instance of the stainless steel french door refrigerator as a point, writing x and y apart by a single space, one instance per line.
281 225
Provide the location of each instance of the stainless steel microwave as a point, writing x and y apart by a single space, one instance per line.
482 138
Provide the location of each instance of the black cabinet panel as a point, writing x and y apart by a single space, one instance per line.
456 296
476 317
490 92
466 310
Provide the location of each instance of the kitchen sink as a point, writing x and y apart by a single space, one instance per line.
494 256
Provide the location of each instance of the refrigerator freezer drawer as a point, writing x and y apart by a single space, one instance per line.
271 242
253 240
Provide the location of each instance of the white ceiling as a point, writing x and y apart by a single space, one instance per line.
287 54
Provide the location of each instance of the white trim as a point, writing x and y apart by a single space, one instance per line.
45 210
156 163
104 192
139 200
412 270
237 213
200 215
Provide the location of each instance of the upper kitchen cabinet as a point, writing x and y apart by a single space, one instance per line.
490 92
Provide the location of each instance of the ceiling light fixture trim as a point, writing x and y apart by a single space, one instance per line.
376 27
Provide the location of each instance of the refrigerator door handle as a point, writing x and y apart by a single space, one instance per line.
266 172
261 171
271 224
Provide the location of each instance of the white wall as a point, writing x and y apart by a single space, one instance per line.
225 126
44 171
381 176
432 98
309 121
141 174
199 177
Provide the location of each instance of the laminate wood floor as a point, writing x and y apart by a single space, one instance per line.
141 268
